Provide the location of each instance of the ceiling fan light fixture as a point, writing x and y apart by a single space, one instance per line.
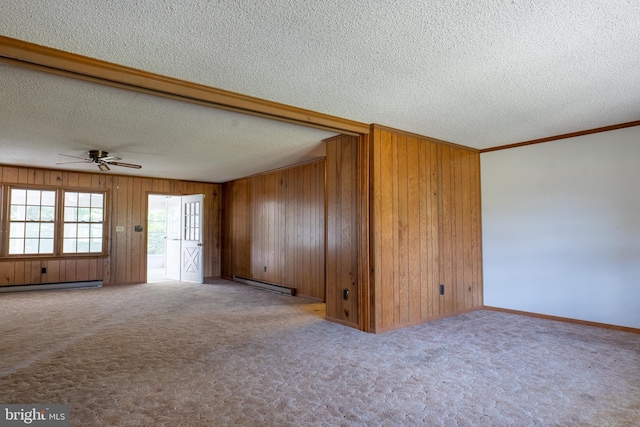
102 159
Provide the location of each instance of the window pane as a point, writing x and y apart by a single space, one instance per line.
96 214
96 245
84 200
96 200
83 230
69 245
48 213
84 214
33 213
47 230
48 198
16 230
70 230
70 214
31 246
18 197
46 246
70 199
33 197
37 235
83 245
16 246
96 231
18 213
33 229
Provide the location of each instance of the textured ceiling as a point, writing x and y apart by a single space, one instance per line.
480 73
43 116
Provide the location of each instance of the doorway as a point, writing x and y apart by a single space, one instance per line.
175 238
156 238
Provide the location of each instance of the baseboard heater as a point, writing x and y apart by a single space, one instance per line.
51 286
266 285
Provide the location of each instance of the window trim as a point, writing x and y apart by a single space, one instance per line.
5 222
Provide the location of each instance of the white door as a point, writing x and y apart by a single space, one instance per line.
192 238
173 238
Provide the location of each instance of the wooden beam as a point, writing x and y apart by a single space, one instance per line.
22 53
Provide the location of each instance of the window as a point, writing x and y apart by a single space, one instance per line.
32 221
192 221
83 222
53 222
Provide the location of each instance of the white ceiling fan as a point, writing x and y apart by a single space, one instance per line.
102 159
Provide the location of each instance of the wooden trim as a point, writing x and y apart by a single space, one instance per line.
58 252
363 225
371 273
421 321
4 212
110 174
326 236
22 53
422 137
563 136
565 319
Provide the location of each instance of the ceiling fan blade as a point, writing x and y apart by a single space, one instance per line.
126 165
103 166
75 157
66 163
109 158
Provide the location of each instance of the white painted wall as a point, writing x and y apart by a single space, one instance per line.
561 228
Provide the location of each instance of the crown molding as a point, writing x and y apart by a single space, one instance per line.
563 136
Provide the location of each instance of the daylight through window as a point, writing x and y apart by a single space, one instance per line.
57 222
32 221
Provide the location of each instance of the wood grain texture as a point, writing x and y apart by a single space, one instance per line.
126 205
425 222
275 222
29 55
363 234
343 186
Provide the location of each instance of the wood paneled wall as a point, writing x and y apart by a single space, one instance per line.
275 222
425 219
342 230
126 262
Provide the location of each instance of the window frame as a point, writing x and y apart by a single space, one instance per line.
58 239
26 220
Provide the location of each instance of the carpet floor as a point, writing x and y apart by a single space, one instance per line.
226 354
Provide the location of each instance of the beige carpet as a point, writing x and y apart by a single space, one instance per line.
177 354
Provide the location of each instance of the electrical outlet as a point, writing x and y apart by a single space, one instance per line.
441 289
265 269
43 270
